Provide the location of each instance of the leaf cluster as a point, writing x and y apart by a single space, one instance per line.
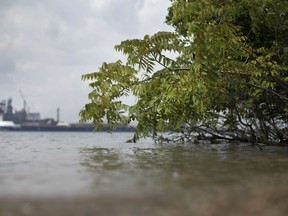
221 74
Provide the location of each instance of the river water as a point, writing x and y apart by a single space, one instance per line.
43 165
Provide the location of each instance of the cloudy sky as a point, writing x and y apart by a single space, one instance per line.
45 47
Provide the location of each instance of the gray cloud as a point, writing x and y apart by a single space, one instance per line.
7 64
122 15
45 46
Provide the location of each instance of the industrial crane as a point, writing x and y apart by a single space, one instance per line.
24 100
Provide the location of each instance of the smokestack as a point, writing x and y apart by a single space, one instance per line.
58 114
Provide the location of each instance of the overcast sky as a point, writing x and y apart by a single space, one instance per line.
46 45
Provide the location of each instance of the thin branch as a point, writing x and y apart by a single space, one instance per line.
285 99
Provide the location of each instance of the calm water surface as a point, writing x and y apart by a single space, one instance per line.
87 164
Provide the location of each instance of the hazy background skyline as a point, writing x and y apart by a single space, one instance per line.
45 47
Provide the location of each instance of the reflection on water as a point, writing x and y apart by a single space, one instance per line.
73 163
200 179
168 178
180 167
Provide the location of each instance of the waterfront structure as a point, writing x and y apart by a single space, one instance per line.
22 120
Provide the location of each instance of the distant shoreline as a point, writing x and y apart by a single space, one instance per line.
72 128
